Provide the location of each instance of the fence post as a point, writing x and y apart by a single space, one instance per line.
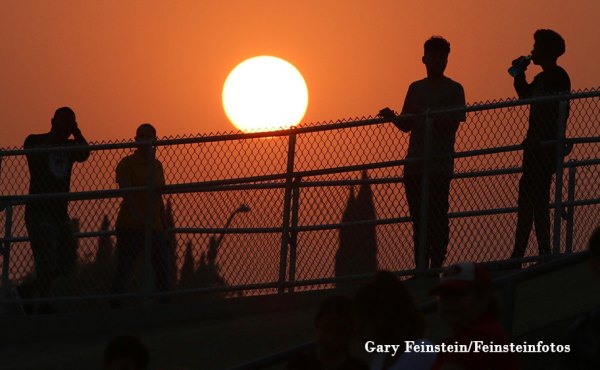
286 212
560 142
294 230
422 260
570 213
148 286
6 252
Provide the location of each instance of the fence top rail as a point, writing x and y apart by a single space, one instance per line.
302 129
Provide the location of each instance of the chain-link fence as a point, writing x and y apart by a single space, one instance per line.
308 207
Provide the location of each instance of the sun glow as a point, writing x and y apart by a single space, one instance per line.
265 93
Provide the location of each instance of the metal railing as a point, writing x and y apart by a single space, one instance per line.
295 182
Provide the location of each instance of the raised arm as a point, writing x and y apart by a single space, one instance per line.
83 154
522 88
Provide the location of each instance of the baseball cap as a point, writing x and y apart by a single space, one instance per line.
462 276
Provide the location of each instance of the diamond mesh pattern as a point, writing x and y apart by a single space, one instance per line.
209 177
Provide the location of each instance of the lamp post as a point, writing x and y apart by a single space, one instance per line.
215 242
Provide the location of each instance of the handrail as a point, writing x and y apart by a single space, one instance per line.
230 184
431 305
315 127
116 193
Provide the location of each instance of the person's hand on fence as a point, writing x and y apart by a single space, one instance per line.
386 113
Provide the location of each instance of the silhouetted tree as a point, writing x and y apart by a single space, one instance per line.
188 270
357 253
171 240
105 245
75 229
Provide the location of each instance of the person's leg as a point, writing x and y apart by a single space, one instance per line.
129 244
162 261
412 187
43 236
66 248
541 211
524 206
438 222
45 239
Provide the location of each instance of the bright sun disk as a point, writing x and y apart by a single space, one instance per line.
265 93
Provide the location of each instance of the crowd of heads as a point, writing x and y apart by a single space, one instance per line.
384 311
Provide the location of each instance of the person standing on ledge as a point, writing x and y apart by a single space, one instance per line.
539 161
433 92
47 220
133 171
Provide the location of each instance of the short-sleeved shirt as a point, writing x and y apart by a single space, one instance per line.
543 117
488 330
133 170
426 95
50 172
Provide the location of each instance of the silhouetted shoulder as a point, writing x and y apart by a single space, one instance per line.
557 80
419 84
125 160
123 168
452 82
34 140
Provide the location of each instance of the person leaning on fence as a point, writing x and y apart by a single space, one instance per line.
539 161
132 171
433 92
47 220
583 336
334 325
385 313
467 304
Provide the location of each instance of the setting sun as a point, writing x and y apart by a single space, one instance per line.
264 93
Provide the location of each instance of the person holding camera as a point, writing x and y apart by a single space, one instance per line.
433 92
48 224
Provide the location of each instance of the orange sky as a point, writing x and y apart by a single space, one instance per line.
121 63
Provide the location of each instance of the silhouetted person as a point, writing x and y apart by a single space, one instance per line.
385 313
48 224
333 322
433 92
539 162
125 352
357 253
584 335
132 171
466 303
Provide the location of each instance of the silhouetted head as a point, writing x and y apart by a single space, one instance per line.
464 294
548 46
145 132
435 56
594 247
334 324
63 123
125 352
386 312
